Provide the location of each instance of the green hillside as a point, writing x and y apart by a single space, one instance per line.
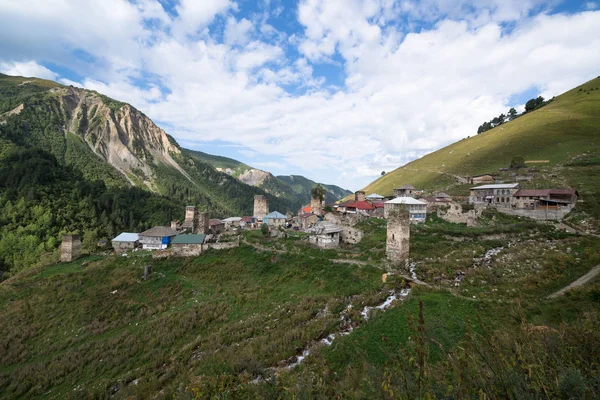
302 187
210 326
565 133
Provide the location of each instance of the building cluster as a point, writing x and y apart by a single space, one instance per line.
510 198
327 229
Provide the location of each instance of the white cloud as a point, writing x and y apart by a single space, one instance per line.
237 32
195 15
27 69
406 91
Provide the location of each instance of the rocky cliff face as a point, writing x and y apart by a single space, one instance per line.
118 133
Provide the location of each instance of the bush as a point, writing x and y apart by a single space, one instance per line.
264 229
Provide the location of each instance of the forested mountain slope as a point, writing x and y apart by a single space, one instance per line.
75 161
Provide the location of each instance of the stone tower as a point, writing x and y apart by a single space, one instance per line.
316 205
70 248
398 234
359 196
261 206
202 219
190 218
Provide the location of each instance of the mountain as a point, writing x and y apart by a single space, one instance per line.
112 141
302 187
559 142
286 186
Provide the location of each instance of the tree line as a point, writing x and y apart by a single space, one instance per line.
531 105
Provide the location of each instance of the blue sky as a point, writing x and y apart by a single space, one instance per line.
334 90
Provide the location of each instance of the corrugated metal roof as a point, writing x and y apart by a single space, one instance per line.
126 237
159 231
232 219
405 200
215 221
189 239
375 196
498 186
275 215
411 187
324 227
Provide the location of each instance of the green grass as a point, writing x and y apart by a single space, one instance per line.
224 312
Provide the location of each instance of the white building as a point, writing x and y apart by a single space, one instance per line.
416 208
499 195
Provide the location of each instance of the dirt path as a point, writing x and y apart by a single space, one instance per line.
579 282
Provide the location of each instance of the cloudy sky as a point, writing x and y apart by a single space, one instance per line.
336 90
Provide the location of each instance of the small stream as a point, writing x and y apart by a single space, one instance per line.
346 324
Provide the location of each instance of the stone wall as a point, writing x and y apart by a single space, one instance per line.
351 235
540 215
221 245
398 235
70 249
359 196
261 206
202 219
454 214
345 219
186 250
123 247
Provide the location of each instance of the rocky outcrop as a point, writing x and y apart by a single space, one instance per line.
118 133
254 177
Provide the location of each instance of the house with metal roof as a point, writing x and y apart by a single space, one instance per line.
125 241
375 196
417 209
275 218
531 199
498 195
325 234
157 238
187 245
405 191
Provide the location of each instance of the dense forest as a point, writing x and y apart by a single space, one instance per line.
41 199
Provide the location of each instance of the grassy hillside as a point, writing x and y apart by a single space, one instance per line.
562 132
303 186
208 326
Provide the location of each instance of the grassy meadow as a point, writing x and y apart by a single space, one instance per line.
207 327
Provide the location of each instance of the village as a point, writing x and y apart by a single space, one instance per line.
329 226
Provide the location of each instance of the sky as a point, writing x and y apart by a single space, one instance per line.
335 90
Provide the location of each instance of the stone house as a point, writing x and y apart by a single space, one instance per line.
417 209
405 191
498 195
232 222
325 234
187 245
216 226
125 242
274 219
157 238
307 221
550 199
249 222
